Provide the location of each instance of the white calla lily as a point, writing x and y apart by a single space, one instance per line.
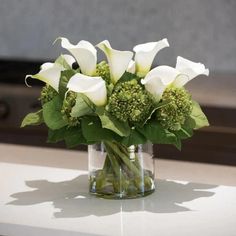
158 79
189 70
92 87
161 77
145 54
131 67
118 60
84 53
50 74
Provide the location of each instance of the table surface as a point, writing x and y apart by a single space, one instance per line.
48 197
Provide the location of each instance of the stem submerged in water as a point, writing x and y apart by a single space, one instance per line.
122 173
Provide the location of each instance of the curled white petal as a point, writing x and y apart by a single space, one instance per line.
118 60
84 53
158 79
131 67
50 73
145 54
93 87
188 70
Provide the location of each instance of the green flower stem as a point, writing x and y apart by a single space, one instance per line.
107 164
102 175
130 167
123 157
122 174
119 186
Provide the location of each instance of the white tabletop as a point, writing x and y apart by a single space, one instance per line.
48 200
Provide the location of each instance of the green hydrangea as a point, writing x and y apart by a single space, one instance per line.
68 103
47 94
130 102
173 115
103 71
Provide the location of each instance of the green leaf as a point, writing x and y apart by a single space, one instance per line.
134 138
154 132
198 116
178 143
82 107
64 79
186 130
111 123
35 118
61 61
156 107
57 135
74 137
184 133
94 132
52 114
127 77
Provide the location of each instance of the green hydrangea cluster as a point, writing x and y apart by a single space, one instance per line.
68 103
130 102
47 94
173 115
103 71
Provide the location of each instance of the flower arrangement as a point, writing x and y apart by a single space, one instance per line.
121 102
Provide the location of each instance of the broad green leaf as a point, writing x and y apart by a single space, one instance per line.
184 133
186 130
178 143
52 114
111 123
74 137
82 107
134 138
57 135
127 77
198 116
154 132
35 118
155 107
65 77
94 132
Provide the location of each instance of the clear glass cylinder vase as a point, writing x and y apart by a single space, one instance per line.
117 171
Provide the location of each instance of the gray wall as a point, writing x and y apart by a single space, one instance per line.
201 30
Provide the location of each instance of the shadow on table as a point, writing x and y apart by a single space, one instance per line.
73 200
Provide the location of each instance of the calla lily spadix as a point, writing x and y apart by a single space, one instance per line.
92 87
118 60
159 78
84 53
145 54
50 72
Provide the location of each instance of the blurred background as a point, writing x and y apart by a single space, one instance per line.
199 30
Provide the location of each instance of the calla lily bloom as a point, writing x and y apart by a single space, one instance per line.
92 87
131 67
161 77
50 73
145 54
189 70
118 60
84 53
